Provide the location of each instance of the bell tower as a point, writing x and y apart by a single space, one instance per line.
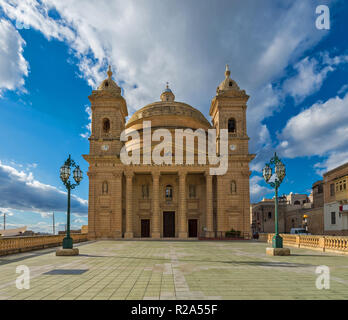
109 110
105 172
228 111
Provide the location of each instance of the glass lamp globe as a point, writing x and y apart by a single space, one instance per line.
280 171
64 173
77 174
267 173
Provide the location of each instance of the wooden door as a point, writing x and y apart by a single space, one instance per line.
168 224
192 228
145 228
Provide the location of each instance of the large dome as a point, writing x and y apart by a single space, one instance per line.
169 114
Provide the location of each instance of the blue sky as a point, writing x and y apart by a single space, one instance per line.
53 53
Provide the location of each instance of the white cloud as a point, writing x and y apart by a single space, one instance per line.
310 76
151 42
13 66
79 221
257 192
88 127
334 160
21 191
343 89
320 129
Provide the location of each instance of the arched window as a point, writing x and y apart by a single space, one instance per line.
233 187
106 125
297 202
105 187
232 125
169 192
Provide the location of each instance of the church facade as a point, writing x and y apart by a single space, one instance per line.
161 200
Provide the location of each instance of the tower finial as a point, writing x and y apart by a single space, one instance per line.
167 85
227 72
109 72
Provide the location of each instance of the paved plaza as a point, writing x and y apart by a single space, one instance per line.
174 270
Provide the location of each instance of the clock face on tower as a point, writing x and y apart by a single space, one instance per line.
105 147
233 147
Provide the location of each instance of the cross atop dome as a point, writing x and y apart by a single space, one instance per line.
167 94
109 73
227 72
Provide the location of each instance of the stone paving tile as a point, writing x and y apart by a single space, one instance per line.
168 270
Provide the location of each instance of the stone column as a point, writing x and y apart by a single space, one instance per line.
91 206
117 205
182 205
156 233
209 205
221 204
129 201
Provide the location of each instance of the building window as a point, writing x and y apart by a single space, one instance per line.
333 217
192 191
105 187
145 191
106 125
233 187
320 188
231 125
332 189
270 215
169 193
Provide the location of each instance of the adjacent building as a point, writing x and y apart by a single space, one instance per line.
336 201
294 211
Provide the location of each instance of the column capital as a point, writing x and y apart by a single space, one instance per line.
207 174
155 174
182 174
129 174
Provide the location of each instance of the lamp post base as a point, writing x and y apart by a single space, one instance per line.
67 252
277 241
278 251
67 243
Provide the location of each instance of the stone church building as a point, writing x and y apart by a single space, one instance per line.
166 201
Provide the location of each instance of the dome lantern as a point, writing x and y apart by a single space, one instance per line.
167 94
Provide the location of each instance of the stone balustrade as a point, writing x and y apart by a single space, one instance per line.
338 244
22 244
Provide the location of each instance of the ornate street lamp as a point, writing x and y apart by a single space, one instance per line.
65 171
279 174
